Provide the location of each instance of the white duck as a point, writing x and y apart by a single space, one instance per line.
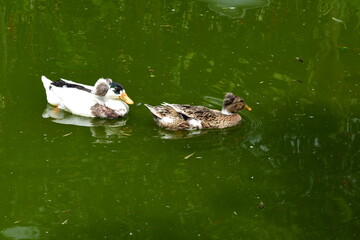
106 99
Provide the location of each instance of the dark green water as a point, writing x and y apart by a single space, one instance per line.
290 170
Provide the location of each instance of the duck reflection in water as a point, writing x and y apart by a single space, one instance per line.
99 128
165 134
235 8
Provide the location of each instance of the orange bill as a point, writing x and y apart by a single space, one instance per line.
126 98
247 108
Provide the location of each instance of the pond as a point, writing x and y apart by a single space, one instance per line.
289 170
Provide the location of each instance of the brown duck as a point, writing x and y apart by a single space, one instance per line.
187 117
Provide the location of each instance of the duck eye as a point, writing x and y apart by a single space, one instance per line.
117 88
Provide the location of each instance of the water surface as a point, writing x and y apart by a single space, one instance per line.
288 171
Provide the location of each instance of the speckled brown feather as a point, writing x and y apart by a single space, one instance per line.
161 112
102 88
196 112
102 111
210 118
186 117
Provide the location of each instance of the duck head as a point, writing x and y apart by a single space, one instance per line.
108 88
233 103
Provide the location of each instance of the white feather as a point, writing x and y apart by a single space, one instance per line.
167 120
195 123
75 101
50 96
225 112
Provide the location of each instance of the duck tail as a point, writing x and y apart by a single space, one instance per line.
46 82
176 108
153 110
50 96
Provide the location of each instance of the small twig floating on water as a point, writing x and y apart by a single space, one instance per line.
339 21
65 135
188 156
64 222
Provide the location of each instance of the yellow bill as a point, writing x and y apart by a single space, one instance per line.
126 98
247 108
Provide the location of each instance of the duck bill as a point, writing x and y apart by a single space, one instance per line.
247 108
126 98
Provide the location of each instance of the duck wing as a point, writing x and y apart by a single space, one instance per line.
79 84
71 85
52 94
166 116
75 101
195 112
162 111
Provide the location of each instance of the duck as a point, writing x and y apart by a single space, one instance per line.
106 99
188 117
